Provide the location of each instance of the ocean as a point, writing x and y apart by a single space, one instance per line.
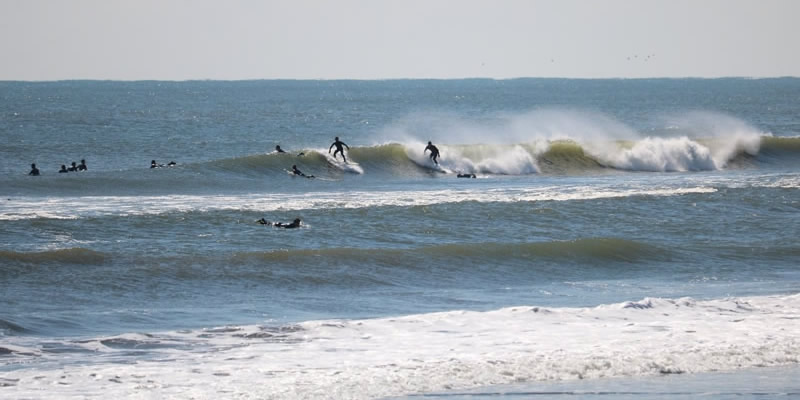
619 239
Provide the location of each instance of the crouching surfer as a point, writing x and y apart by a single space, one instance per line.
434 152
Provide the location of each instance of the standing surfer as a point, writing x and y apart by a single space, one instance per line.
338 143
434 152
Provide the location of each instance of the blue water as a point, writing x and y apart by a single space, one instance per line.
587 193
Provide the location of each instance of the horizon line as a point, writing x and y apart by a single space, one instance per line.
393 79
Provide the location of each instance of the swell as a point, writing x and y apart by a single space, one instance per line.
589 249
77 255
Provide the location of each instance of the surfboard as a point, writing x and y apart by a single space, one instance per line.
299 176
439 168
350 166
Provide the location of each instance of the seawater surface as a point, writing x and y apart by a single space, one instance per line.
614 229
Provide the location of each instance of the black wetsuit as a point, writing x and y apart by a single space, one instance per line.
294 224
434 152
338 143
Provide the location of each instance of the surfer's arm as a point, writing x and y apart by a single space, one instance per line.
345 145
329 148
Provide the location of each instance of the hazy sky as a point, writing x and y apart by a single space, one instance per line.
378 39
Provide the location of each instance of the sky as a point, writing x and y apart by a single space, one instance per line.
395 39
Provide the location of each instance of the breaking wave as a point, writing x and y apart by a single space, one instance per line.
567 156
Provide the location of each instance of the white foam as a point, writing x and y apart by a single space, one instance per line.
96 206
365 359
708 140
662 155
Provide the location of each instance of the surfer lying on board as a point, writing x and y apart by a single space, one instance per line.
293 224
338 143
278 149
300 173
466 175
434 152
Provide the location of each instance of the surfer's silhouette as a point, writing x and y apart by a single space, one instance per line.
34 170
299 173
434 152
338 143
293 224
278 149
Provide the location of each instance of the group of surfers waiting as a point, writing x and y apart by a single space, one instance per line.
75 167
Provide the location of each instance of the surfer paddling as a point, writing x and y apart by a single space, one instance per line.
434 152
338 143
297 172
293 224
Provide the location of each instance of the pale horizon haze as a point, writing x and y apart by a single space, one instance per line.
362 39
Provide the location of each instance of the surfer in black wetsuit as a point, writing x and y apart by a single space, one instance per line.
154 164
338 143
82 166
434 152
278 149
300 173
73 168
63 169
34 170
293 224
466 175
